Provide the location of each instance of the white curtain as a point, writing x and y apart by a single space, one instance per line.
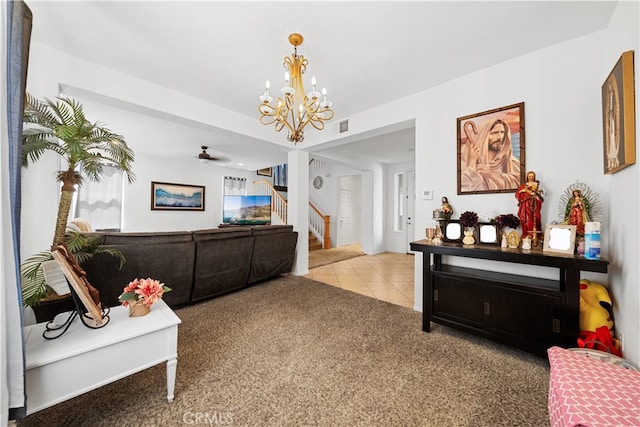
100 203
14 46
235 186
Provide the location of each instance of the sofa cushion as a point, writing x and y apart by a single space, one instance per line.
170 264
221 265
148 238
274 251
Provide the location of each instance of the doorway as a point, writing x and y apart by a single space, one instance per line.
348 212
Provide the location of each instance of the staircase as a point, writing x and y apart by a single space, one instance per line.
319 224
314 243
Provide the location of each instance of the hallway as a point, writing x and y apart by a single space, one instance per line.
386 276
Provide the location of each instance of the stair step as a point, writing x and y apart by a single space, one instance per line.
315 246
314 243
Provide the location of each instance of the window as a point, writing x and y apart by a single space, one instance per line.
100 203
235 186
398 201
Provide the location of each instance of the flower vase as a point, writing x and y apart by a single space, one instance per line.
137 309
468 237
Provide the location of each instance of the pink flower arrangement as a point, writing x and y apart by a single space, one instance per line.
146 290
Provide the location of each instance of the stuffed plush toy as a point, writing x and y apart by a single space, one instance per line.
596 326
595 304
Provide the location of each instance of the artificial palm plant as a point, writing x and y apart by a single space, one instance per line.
61 126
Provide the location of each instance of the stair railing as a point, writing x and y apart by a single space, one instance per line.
278 203
319 224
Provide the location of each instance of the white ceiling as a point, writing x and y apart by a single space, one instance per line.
365 53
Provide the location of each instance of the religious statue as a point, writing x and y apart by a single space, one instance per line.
578 213
446 208
530 200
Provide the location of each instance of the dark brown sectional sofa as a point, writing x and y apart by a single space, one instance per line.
196 265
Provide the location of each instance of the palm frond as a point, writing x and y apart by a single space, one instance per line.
36 111
34 285
83 247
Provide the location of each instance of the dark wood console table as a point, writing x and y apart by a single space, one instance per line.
530 313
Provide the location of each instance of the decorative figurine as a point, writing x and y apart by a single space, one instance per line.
579 205
446 208
468 237
530 200
513 240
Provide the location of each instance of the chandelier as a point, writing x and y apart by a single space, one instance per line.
295 110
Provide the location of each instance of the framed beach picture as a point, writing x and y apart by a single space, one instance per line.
618 116
176 197
491 150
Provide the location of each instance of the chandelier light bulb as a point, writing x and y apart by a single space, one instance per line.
313 83
325 104
286 78
265 98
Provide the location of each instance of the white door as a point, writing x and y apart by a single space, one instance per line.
345 218
410 208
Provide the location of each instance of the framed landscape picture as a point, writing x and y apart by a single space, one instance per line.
618 116
176 197
491 150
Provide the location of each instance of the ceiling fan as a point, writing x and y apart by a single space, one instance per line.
206 156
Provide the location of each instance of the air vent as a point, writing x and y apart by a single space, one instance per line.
344 126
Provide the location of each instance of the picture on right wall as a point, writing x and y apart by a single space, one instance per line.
618 116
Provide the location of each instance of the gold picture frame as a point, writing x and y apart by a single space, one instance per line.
618 116
491 151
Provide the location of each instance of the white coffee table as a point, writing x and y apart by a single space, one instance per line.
83 359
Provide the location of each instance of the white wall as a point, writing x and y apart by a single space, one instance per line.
138 215
624 193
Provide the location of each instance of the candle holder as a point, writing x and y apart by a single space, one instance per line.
438 216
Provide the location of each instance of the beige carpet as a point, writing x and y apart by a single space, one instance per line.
321 257
294 352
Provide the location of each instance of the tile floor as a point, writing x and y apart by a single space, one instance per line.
387 276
